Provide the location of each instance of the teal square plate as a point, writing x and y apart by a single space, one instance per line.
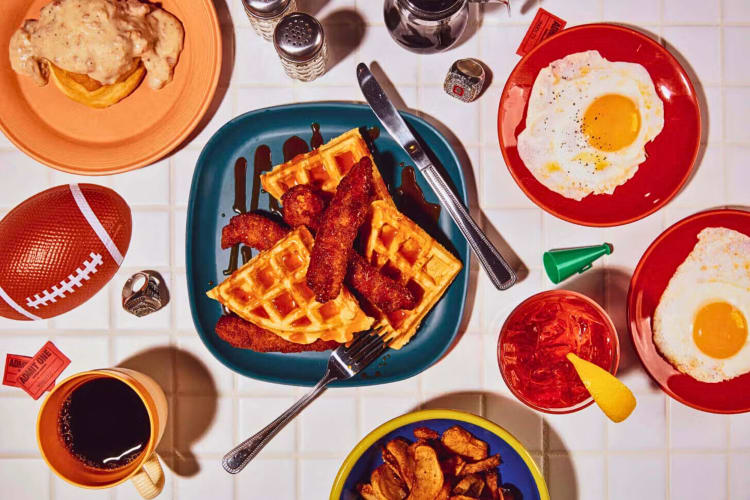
210 207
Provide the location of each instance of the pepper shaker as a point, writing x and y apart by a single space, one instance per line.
264 15
300 42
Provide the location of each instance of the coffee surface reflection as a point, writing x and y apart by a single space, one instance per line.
104 423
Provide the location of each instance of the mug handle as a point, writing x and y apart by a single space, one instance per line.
149 481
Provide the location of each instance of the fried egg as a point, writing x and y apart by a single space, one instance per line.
587 124
700 323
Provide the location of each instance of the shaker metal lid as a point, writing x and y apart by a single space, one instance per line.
266 8
298 37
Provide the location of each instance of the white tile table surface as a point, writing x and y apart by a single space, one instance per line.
664 451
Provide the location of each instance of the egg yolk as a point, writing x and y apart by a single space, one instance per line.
611 122
719 330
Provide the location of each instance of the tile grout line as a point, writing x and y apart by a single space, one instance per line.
726 172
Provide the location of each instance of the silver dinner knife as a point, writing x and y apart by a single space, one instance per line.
500 273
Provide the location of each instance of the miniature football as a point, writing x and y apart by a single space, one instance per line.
59 247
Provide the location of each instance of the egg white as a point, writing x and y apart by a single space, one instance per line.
553 146
716 270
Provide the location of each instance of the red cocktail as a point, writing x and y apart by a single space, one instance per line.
535 339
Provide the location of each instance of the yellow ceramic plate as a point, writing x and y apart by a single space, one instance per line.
517 470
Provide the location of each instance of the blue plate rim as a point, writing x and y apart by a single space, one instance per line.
353 382
423 416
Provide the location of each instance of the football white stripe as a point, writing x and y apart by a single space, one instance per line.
19 309
93 221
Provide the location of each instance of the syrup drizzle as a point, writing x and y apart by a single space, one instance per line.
292 147
412 202
316 140
239 207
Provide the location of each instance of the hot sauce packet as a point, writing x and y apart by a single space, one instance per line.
544 25
41 371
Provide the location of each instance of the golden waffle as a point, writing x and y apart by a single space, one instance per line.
404 251
324 167
270 291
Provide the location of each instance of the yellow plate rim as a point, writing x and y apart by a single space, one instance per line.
417 416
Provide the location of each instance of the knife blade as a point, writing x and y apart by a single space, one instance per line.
498 270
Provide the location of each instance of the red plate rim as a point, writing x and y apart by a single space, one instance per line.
632 321
658 47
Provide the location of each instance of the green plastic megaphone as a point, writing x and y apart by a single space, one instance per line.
563 263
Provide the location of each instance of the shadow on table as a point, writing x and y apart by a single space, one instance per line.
609 287
228 44
528 426
189 417
345 30
311 7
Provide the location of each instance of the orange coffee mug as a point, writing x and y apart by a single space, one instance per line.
145 471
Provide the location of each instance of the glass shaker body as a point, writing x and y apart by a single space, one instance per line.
426 26
264 15
300 43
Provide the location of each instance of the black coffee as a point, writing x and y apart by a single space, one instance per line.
104 423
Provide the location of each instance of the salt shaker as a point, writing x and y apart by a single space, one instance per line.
264 15
301 45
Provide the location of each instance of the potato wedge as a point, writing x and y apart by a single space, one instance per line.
491 478
426 434
367 492
387 485
460 441
471 485
396 453
461 497
428 478
453 465
445 491
488 463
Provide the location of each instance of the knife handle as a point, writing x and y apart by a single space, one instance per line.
500 273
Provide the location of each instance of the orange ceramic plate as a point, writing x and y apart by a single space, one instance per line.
133 133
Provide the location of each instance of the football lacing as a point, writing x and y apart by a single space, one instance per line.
68 285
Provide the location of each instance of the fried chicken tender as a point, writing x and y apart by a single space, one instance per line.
303 206
338 227
254 230
385 293
246 335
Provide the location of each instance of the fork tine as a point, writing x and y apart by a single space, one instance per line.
378 344
371 356
363 342
358 342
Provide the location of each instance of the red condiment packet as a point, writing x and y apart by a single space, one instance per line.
42 370
542 27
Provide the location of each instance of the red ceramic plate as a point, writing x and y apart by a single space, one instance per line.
670 155
650 278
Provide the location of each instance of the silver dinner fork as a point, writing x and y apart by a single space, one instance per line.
344 363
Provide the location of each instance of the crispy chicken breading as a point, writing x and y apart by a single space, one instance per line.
380 290
254 230
246 335
303 206
338 227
